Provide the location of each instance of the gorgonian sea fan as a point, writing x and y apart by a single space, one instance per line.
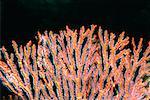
76 65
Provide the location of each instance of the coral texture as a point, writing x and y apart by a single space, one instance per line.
81 64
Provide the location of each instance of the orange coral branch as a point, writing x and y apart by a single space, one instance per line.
77 65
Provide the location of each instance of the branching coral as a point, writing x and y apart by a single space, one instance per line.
77 65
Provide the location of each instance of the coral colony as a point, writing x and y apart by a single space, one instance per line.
78 65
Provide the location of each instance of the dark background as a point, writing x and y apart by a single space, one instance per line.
21 19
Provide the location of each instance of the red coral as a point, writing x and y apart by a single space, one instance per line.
73 65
